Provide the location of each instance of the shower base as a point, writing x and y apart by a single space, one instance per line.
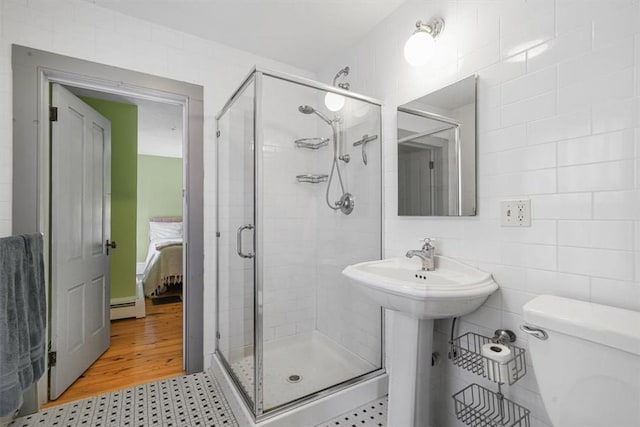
300 365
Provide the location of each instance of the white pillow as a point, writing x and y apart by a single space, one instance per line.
165 230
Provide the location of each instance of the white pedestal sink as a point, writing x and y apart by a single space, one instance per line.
417 298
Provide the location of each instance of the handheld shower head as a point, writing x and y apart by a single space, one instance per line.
307 109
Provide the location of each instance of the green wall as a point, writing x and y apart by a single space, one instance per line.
159 194
124 153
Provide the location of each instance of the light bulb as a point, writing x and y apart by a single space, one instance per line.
333 101
419 48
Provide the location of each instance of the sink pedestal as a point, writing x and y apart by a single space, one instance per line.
410 371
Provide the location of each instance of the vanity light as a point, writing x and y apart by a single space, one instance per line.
420 46
333 101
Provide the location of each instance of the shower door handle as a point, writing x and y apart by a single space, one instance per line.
239 241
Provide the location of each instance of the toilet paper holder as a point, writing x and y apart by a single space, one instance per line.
466 353
477 406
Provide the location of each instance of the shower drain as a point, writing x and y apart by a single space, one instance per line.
295 378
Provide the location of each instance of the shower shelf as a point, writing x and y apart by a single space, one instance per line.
477 406
466 353
313 179
311 143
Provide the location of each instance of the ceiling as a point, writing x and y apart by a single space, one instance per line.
159 124
302 33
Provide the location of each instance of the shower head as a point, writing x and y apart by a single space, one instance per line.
307 109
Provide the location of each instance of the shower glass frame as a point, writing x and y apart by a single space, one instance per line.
255 406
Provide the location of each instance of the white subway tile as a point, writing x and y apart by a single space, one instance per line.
5 211
503 71
597 63
540 232
559 49
556 283
513 300
478 59
596 177
617 205
562 206
616 293
529 85
522 36
521 159
596 234
615 115
502 139
531 256
564 126
530 109
596 148
531 182
616 24
596 262
615 86
5 228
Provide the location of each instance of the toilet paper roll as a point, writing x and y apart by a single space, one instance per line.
496 363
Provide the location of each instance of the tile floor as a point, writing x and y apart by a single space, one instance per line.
373 414
190 400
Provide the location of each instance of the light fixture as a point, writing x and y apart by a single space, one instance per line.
420 46
333 101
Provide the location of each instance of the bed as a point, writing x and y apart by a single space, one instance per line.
163 265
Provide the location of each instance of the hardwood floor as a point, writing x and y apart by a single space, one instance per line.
142 350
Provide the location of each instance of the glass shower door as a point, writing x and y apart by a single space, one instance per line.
236 248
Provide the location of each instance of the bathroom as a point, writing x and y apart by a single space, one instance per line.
558 118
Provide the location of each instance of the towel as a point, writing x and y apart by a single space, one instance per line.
22 318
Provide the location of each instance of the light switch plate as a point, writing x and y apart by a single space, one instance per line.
515 213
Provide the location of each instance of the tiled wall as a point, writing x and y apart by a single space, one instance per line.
289 210
82 30
558 118
343 315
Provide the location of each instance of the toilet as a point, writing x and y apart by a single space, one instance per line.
588 366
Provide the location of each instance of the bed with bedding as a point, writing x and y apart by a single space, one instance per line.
163 265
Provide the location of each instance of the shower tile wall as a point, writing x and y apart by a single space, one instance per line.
558 122
343 314
84 30
290 210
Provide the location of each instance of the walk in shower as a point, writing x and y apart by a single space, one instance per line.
299 198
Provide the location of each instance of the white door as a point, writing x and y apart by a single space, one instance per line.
80 228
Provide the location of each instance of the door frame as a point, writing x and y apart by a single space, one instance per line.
33 71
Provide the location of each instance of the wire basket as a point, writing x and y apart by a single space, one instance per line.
311 143
466 353
477 406
313 179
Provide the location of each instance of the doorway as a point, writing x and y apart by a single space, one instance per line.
145 228
33 72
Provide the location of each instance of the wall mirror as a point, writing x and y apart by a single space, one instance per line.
437 152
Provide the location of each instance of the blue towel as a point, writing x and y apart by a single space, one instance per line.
22 318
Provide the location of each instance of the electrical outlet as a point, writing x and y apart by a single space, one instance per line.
515 213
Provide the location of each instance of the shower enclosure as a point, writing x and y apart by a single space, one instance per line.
299 198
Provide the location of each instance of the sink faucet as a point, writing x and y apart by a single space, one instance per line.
425 254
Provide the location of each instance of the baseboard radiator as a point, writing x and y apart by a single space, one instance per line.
124 308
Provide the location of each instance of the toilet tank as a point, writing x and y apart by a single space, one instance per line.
588 369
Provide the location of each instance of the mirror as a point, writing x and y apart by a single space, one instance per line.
437 152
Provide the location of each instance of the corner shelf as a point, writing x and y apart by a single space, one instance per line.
466 353
313 179
478 406
311 143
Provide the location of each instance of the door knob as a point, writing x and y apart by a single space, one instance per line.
110 245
